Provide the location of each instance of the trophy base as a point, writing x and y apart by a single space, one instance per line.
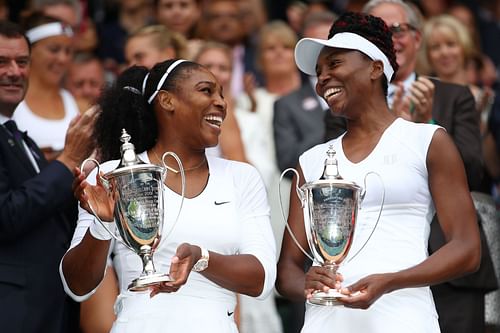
143 283
329 298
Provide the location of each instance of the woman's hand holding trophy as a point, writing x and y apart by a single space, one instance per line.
322 279
96 196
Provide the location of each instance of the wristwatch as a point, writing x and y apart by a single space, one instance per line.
202 263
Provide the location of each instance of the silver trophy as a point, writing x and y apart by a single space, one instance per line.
137 190
330 207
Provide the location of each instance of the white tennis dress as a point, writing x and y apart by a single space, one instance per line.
47 133
230 216
400 239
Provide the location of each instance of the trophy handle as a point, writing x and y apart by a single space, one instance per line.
183 185
105 183
362 196
301 195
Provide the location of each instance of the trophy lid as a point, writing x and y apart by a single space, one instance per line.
331 170
130 161
331 175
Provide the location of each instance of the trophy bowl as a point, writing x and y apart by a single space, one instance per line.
330 212
137 190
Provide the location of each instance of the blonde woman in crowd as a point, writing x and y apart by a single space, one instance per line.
152 44
448 49
281 76
47 109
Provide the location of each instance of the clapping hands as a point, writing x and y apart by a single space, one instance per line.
416 104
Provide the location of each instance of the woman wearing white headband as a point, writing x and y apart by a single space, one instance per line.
224 222
47 108
419 171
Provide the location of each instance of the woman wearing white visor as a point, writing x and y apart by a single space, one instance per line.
420 172
47 109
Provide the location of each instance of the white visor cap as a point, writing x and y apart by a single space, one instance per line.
307 51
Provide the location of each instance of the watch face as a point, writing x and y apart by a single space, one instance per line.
201 265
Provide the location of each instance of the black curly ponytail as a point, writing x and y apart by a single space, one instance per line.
123 106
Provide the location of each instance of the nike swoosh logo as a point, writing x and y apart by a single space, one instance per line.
229 314
218 203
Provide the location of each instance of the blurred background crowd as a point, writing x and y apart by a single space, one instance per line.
249 46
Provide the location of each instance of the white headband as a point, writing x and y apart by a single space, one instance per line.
48 30
162 80
307 51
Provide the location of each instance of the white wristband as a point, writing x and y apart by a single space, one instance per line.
99 232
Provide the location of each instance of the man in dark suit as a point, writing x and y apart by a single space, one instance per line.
38 211
460 302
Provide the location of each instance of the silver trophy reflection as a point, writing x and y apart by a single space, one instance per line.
330 207
137 191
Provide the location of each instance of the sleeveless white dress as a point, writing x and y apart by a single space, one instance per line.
398 242
47 133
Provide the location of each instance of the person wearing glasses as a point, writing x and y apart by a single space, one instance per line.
459 302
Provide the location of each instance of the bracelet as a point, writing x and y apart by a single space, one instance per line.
432 122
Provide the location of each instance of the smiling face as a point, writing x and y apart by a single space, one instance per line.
444 52
14 71
277 55
199 108
343 77
50 59
406 42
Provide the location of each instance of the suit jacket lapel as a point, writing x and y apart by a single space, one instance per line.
17 151
40 158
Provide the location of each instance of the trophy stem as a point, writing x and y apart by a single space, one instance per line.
149 277
330 297
332 267
147 260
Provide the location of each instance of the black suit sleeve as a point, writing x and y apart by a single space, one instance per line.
34 200
454 109
289 140
467 137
